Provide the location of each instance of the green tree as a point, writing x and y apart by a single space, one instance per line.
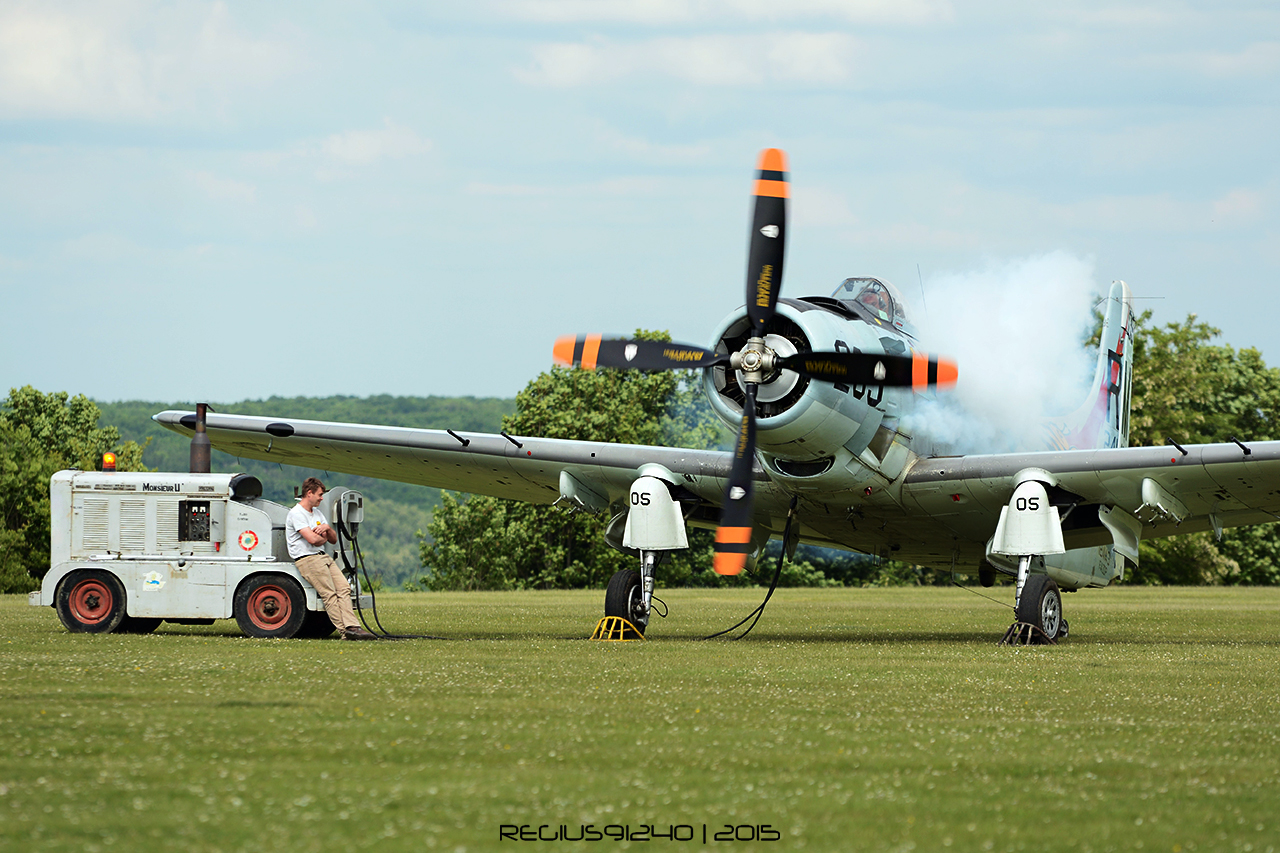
67 427
1188 388
25 469
488 543
1193 391
40 434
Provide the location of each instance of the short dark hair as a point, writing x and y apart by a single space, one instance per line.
310 484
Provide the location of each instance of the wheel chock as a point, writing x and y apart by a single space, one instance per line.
1026 634
616 629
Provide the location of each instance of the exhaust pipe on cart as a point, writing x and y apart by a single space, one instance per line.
200 446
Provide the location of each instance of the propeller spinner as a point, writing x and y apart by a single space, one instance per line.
756 360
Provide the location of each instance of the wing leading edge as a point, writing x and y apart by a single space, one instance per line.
519 468
1211 486
947 505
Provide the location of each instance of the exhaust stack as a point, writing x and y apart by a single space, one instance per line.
200 446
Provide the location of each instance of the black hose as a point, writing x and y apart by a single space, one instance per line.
777 573
355 547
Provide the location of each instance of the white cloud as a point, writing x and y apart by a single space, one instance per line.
816 206
719 60
126 61
668 12
1261 59
392 140
224 189
1257 60
644 149
1238 206
484 189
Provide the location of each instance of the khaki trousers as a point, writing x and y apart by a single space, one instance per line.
323 573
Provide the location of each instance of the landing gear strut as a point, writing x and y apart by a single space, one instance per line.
630 593
1040 606
1030 528
654 526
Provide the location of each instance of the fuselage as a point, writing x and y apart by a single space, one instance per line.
824 438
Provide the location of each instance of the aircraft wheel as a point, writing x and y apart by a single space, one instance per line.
270 606
137 625
623 598
1041 605
316 625
90 601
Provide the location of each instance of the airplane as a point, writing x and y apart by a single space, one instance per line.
820 390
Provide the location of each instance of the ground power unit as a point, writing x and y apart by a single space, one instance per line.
130 550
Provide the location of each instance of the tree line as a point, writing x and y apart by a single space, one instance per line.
1186 386
41 433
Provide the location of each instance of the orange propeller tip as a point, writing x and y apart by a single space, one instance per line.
773 160
729 564
948 373
562 352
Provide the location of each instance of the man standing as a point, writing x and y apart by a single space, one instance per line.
306 532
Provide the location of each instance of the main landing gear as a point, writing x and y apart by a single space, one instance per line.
630 593
654 526
1037 609
1029 528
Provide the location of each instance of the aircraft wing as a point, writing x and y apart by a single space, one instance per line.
521 468
945 506
1169 490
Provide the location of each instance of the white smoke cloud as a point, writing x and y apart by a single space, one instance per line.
1016 329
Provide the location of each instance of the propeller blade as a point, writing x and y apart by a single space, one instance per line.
592 351
733 537
917 371
768 238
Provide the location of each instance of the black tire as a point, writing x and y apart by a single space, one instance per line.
1041 605
270 606
622 596
90 601
316 625
137 625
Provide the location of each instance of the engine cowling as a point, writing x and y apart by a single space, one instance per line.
800 421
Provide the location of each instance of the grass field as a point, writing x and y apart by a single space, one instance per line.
855 719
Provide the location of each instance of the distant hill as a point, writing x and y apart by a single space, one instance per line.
394 512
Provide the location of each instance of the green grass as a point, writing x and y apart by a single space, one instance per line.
856 719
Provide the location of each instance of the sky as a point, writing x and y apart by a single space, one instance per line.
225 201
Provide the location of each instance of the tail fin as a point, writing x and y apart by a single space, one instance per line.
1103 419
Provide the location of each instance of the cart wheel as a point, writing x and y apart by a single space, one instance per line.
270 606
90 601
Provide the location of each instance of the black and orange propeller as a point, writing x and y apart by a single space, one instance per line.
755 361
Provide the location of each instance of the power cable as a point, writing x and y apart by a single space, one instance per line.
373 599
759 611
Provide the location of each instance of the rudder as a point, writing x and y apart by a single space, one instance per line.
1103 419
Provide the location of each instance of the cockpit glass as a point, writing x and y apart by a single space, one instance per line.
876 296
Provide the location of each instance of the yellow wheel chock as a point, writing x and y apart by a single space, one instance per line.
1026 634
616 629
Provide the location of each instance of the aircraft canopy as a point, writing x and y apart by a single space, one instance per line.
880 298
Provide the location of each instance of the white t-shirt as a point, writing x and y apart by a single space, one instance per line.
297 519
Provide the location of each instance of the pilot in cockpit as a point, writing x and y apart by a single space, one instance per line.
878 297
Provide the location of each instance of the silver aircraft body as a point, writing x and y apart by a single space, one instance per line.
820 390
